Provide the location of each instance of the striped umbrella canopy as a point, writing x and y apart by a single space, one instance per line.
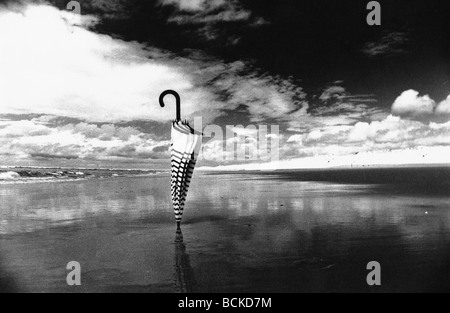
185 147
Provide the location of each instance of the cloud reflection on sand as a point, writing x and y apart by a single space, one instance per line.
241 233
30 207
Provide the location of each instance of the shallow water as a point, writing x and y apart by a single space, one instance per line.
241 233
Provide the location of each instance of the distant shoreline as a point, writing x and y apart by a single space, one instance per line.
433 180
337 168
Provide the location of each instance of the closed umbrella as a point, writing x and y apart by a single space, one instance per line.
184 149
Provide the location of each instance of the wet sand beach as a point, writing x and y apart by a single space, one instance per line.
240 233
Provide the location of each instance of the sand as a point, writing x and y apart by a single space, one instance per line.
241 233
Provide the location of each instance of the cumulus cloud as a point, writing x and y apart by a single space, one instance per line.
391 141
335 131
345 128
444 107
392 133
30 139
79 142
410 103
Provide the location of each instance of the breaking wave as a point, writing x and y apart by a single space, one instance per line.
9 176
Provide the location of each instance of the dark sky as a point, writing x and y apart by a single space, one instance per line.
314 41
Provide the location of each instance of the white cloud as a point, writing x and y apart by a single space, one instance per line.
328 142
50 66
194 5
333 92
207 14
337 137
337 114
392 141
389 44
264 97
202 18
210 12
392 132
245 147
444 107
409 103
25 139
347 131
343 100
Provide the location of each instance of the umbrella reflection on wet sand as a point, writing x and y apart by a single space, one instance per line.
184 274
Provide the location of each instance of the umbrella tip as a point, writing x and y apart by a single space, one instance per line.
178 225
179 236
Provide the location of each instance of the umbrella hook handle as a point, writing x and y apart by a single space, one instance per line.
178 99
